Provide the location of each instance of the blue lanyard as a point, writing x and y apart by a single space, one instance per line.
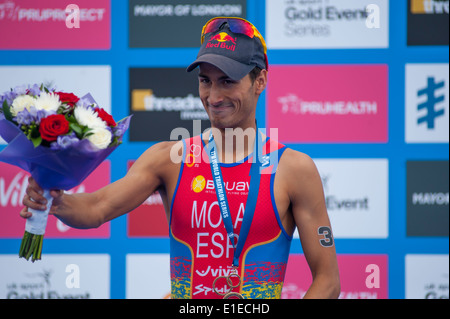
222 196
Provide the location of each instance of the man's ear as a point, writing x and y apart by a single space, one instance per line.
261 82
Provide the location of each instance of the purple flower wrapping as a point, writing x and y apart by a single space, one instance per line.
52 169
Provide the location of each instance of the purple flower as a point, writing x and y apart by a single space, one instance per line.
9 96
26 117
51 87
83 102
34 90
63 142
120 129
20 90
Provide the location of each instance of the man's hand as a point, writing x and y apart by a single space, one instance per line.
35 200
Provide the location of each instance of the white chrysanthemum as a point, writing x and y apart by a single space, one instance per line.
48 102
100 137
86 116
22 102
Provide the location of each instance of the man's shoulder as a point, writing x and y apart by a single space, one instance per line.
165 147
298 175
297 162
162 153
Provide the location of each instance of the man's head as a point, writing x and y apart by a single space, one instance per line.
233 71
230 103
233 45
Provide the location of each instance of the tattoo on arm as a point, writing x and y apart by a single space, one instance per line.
327 240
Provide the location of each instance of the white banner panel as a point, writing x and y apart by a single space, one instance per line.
148 276
327 24
356 194
427 103
426 277
55 277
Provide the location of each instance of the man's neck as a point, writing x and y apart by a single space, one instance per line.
233 144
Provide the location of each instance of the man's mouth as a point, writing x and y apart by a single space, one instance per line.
220 107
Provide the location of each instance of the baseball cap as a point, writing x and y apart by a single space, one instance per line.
233 45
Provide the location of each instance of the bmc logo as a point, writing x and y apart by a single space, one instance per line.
426 103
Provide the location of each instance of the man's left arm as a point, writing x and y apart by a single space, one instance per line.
311 218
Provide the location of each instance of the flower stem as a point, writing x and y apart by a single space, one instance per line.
31 246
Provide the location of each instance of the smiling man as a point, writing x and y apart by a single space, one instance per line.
236 197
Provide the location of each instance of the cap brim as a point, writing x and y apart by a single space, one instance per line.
233 69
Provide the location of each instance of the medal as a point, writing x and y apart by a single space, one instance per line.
225 211
230 280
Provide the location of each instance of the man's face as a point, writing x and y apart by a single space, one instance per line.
229 103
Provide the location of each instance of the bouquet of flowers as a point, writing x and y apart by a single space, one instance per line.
59 139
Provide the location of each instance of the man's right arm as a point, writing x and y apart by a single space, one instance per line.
90 210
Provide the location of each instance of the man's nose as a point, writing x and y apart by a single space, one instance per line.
215 96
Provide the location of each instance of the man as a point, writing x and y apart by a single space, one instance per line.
236 196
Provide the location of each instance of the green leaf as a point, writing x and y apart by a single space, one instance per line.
35 130
87 131
115 142
78 130
7 111
71 119
36 141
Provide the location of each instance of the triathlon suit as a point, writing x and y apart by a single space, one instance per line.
201 251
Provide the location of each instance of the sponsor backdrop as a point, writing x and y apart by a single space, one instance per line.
362 86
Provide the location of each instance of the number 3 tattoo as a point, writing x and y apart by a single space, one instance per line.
325 231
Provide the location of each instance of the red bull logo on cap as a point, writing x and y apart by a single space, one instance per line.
224 41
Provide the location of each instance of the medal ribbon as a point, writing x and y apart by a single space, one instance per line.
222 196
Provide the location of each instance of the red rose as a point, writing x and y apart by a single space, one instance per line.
68 98
105 116
53 126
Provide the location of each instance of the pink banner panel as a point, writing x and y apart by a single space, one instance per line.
329 103
55 24
362 277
